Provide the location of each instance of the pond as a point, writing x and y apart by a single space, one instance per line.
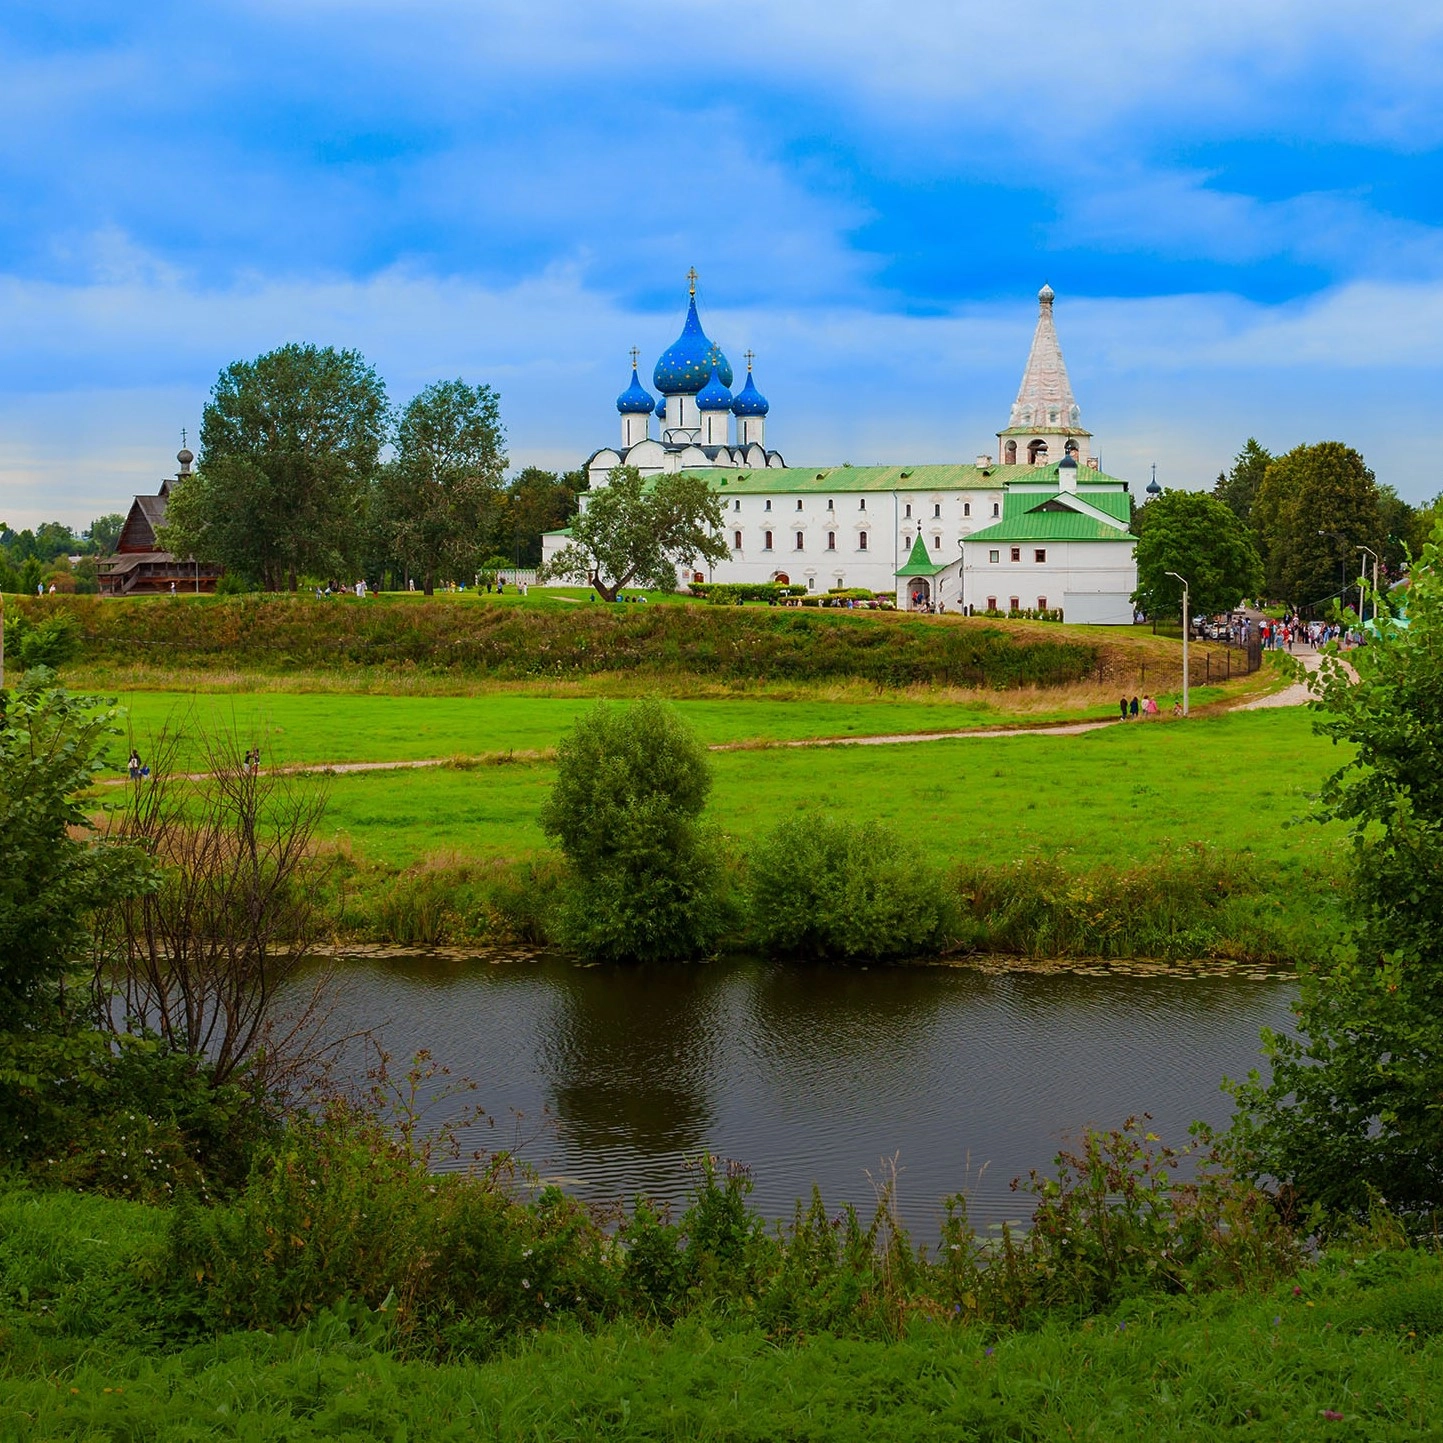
616 1077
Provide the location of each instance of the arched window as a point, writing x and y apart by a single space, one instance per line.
936 543
861 541
862 505
995 509
767 544
1036 452
908 510
768 506
1011 458
799 503
966 508
737 505
736 541
799 540
831 541
936 508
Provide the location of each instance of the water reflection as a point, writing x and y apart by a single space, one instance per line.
813 1074
631 1056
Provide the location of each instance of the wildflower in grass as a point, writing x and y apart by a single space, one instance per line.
1332 1415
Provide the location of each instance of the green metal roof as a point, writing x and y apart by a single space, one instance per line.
1036 517
828 480
919 563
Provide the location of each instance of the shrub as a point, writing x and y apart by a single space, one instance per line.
50 642
646 875
831 889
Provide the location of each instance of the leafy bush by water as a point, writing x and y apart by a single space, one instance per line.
825 888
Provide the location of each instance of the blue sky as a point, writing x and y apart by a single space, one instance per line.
1240 207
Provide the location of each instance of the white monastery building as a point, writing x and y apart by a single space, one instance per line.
1038 526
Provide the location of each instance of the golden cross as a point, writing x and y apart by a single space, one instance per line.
634 354
751 356
691 279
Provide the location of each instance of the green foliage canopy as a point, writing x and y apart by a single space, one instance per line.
441 497
1238 489
1199 537
289 449
635 533
1315 507
631 785
1355 1104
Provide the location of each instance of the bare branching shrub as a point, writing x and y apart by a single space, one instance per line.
219 959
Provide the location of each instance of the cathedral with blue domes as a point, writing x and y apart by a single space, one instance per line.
1036 526
700 423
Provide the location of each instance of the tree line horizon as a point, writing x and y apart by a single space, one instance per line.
309 473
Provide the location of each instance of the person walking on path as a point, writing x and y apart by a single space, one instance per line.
1132 709
133 766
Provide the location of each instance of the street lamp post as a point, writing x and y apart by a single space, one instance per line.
1364 582
1185 597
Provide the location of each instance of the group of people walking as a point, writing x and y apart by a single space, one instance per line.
1131 710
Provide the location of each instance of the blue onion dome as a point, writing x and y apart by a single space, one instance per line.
636 400
750 401
685 365
714 396
661 409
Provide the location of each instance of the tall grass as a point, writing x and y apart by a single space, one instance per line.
282 633
820 888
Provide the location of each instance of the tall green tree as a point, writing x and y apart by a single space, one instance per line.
631 533
1354 1106
442 496
1317 505
1399 529
1196 535
1238 488
290 444
631 786
53 870
104 532
538 501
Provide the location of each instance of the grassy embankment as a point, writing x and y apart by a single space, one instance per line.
1350 1349
1057 839
465 644
1063 846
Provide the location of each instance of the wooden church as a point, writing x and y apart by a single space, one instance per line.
139 566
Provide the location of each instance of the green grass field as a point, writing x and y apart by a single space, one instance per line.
1115 796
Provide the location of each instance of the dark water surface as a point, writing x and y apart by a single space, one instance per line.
812 1074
